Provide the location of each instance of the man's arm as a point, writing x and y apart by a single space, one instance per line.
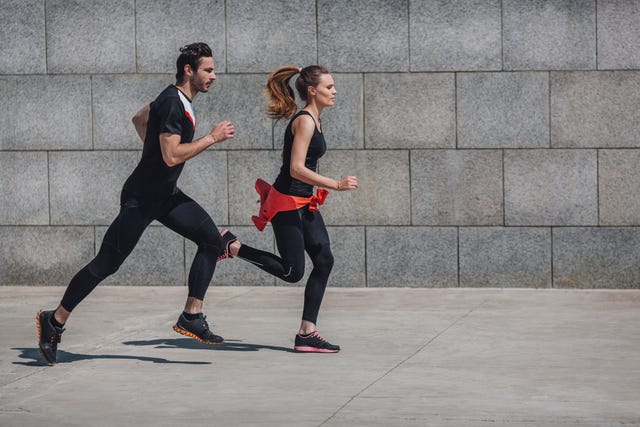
140 120
174 153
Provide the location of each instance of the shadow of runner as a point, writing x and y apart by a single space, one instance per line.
228 345
66 357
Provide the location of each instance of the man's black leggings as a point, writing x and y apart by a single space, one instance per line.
179 213
296 232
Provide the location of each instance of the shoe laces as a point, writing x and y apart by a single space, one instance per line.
57 336
315 334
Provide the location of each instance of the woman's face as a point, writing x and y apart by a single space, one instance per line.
325 92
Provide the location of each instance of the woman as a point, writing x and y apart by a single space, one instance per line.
290 204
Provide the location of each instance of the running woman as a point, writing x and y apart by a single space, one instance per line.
166 127
290 204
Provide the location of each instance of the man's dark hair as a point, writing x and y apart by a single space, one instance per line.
191 54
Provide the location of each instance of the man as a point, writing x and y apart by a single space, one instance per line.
166 126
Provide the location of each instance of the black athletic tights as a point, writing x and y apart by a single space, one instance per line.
179 213
296 232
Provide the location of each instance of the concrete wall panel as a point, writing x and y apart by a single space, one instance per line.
596 257
505 257
85 186
619 187
157 41
455 35
363 35
26 254
450 187
264 35
595 109
91 36
503 110
53 113
412 257
22 31
618 34
409 111
551 187
24 199
549 34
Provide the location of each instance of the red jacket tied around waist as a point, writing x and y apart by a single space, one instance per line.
272 201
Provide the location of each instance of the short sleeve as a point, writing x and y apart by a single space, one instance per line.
170 116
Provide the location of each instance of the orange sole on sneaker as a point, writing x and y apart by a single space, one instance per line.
39 336
303 349
194 336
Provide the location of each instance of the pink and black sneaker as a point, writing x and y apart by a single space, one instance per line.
314 343
227 239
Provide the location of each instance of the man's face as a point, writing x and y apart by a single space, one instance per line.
204 77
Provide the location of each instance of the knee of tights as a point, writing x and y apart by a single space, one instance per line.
323 261
293 275
211 249
106 263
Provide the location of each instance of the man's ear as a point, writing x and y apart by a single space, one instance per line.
187 70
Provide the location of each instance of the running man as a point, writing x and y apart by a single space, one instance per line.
166 126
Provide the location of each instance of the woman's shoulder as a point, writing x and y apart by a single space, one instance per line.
303 119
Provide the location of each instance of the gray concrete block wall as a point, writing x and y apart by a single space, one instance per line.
497 143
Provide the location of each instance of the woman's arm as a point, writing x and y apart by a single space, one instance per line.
303 128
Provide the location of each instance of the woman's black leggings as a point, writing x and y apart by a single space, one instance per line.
179 213
296 232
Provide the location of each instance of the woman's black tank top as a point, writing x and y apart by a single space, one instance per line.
317 147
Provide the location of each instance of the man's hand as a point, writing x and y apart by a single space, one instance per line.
223 131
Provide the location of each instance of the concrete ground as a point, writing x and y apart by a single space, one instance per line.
410 357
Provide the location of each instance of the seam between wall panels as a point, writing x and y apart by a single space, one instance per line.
504 193
366 268
226 40
455 107
458 253
317 34
598 187
501 35
135 35
46 53
49 186
549 107
409 34
595 14
553 275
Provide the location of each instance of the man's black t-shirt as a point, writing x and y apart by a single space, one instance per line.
152 181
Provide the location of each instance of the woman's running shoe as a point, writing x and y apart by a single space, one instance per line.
314 343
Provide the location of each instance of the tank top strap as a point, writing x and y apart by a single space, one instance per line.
301 112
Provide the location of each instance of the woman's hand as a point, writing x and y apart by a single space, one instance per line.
347 183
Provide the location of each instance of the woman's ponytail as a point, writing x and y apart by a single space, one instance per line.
282 101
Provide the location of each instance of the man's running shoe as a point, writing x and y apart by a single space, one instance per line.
48 336
227 239
198 329
314 343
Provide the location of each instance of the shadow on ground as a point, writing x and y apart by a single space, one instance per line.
33 355
228 345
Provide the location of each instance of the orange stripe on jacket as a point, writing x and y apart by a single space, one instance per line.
272 201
